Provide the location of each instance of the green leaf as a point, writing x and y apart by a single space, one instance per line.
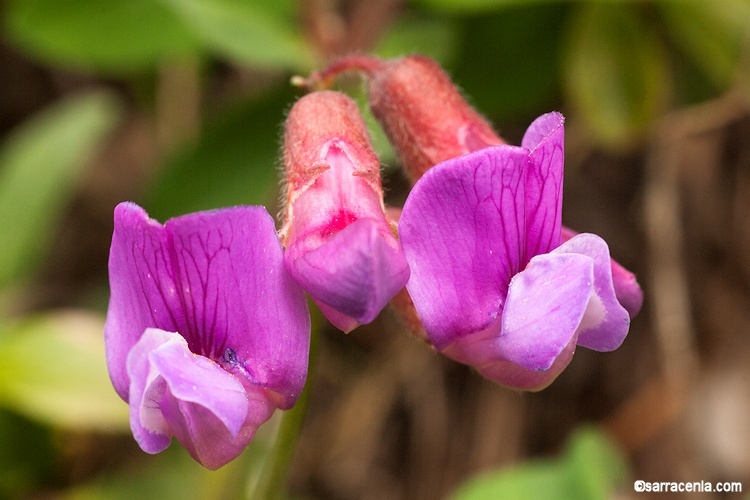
593 466
280 9
711 33
533 481
615 72
173 474
590 469
246 32
53 370
169 475
475 6
26 456
109 35
39 165
234 163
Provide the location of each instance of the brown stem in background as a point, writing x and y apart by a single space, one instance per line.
367 22
323 25
178 98
356 27
669 286
664 398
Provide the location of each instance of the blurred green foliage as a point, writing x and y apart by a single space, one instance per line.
509 62
123 35
174 475
27 454
234 162
620 88
51 369
245 32
613 66
40 164
590 468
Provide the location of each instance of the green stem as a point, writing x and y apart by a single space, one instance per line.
271 480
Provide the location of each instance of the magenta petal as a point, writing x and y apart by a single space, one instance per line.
546 303
205 437
340 320
174 392
628 291
545 140
606 323
356 272
207 408
142 288
515 376
461 230
238 296
218 279
542 130
196 379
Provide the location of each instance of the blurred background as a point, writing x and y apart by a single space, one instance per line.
178 105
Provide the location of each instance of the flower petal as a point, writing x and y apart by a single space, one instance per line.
218 279
546 303
339 244
340 320
146 388
516 377
606 323
205 437
142 288
176 392
544 183
239 299
356 272
628 291
461 230
197 379
207 409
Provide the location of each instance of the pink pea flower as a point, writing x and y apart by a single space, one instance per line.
492 284
206 334
428 121
340 246
492 281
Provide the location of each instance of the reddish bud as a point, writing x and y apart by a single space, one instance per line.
340 246
424 115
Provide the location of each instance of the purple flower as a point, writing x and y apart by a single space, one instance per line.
428 121
206 334
490 280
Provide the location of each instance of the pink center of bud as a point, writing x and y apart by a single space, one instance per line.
339 221
338 196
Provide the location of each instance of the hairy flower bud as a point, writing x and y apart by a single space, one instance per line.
340 246
421 110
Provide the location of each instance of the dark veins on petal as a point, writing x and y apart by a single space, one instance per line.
205 332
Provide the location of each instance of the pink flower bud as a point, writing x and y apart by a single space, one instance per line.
428 122
494 282
340 247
